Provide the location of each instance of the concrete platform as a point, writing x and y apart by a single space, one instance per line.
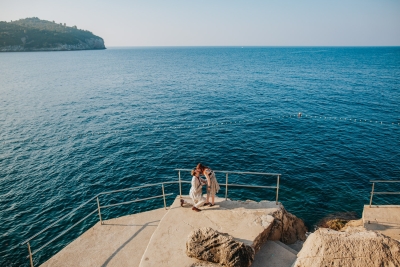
275 254
242 220
158 237
384 219
118 242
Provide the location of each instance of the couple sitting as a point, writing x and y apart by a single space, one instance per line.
196 191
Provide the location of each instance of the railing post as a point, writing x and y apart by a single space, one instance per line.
98 207
372 194
226 187
277 189
30 254
163 194
180 184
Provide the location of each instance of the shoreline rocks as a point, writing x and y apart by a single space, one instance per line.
88 44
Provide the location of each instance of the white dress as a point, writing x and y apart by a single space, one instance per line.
214 185
196 191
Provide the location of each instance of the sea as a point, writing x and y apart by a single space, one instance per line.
75 124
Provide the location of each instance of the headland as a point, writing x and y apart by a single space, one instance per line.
33 34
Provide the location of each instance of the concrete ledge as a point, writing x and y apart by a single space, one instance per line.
384 219
118 242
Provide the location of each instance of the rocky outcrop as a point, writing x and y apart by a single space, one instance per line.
95 43
209 245
88 44
354 248
287 228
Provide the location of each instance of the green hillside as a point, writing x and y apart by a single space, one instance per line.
34 34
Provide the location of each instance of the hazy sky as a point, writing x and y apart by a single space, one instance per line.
222 22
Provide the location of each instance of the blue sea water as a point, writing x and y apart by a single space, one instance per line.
74 124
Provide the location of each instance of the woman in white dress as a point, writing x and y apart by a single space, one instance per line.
196 191
212 184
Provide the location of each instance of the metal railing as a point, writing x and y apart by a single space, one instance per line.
382 193
99 207
238 185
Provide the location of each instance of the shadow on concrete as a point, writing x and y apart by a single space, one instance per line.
229 205
382 226
120 224
126 242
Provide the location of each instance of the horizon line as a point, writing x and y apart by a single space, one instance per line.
247 46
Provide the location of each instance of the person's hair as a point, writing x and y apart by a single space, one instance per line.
193 172
201 167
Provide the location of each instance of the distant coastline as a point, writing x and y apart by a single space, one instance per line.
33 34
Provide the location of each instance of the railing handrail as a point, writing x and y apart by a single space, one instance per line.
51 225
83 204
384 181
237 172
31 253
278 175
134 188
381 193
133 201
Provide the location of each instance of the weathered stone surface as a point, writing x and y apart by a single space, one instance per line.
287 228
354 248
210 245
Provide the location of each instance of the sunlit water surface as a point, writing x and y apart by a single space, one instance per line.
74 124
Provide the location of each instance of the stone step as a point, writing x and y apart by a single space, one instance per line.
286 247
275 254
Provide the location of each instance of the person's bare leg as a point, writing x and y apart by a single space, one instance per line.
208 190
212 199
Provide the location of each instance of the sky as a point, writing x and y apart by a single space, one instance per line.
222 22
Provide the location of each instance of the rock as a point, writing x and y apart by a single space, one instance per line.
287 228
355 248
353 225
210 245
338 220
